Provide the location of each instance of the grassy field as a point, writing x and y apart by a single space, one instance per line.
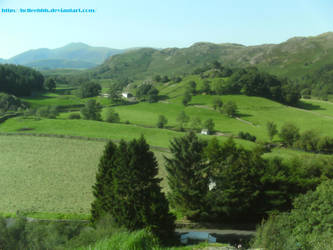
50 175
55 175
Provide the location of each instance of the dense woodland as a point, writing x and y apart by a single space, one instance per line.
20 80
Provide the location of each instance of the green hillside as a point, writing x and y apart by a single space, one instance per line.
60 64
294 58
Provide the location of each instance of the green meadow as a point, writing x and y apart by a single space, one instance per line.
50 175
54 175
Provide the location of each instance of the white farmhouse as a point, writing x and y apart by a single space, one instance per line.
126 95
204 132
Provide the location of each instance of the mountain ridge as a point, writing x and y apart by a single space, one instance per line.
84 55
292 58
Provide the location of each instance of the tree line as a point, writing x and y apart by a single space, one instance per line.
19 80
208 181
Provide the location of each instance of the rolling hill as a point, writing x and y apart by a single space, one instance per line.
73 55
293 58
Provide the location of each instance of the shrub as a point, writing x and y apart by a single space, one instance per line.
308 225
112 116
73 116
246 136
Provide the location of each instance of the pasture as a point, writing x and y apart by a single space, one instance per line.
50 175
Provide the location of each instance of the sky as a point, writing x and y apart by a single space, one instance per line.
160 23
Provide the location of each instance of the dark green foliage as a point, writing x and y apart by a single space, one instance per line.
306 93
127 188
230 109
162 121
289 134
247 136
187 98
89 89
236 174
217 103
102 190
271 130
74 116
19 80
251 82
115 92
187 175
147 92
50 84
205 87
308 225
111 116
308 141
182 119
92 111
10 103
176 79
209 125
325 145
165 79
196 124
191 87
157 78
21 234
50 112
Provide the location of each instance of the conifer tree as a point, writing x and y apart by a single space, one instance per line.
102 188
187 175
133 194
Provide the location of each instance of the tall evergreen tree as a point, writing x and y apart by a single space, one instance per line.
187 175
102 188
131 190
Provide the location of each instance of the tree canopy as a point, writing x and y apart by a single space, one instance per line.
127 188
19 80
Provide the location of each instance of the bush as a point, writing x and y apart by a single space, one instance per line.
289 134
246 136
89 89
92 111
73 116
50 112
111 116
230 109
308 225
162 121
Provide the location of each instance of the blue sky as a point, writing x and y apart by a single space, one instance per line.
161 23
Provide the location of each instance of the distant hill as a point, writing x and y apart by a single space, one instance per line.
74 55
60 64
294 58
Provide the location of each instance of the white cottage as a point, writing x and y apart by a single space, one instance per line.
204 132
126 95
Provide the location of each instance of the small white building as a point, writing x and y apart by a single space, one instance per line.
204 132
197 236
126 95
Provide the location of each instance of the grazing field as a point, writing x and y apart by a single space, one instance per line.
49 175
95 129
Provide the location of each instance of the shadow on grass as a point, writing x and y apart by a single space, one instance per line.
241 115
197 103
162 97
309 106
